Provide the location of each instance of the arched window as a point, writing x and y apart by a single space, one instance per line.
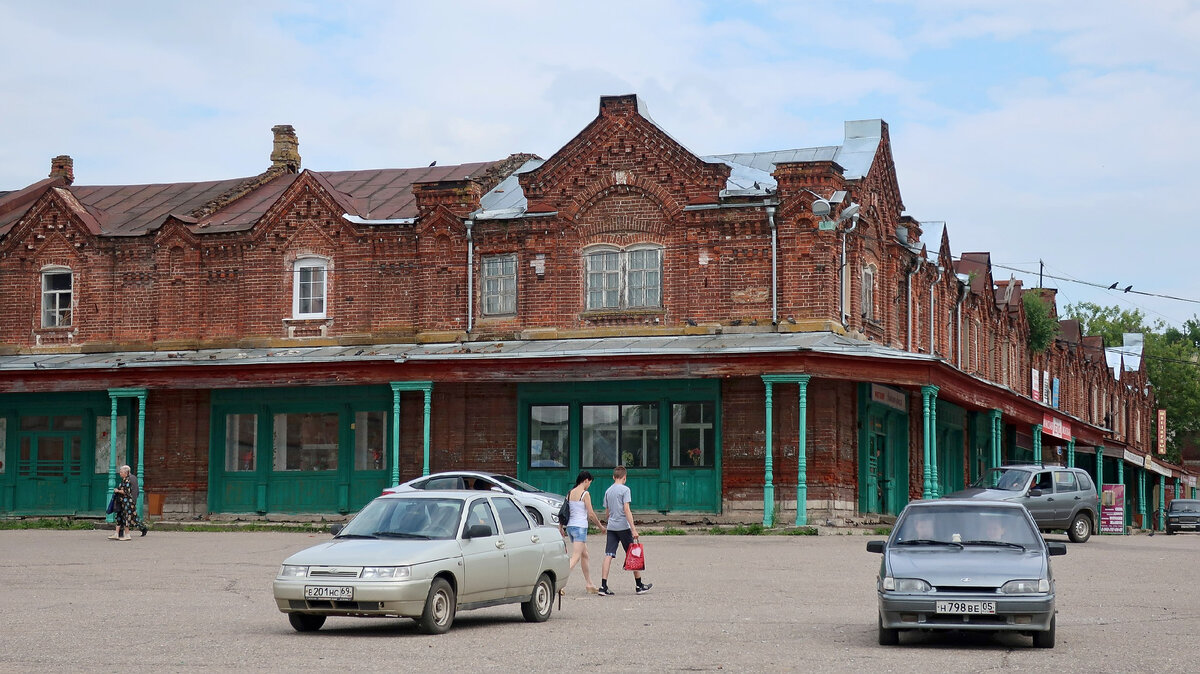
57 287
624 278
868 293
309 286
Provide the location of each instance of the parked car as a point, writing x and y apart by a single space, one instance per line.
1059 498
542 505
1183 515
966 565
426 556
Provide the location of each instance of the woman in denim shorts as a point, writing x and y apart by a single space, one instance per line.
579 501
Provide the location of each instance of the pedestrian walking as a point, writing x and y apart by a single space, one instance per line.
125 506
579 500
621 530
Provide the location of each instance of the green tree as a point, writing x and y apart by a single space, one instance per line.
1042 325
1172 357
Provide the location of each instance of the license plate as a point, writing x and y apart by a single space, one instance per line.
1187 526
967 607
335 592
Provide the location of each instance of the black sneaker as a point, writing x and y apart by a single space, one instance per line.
643 589
605 592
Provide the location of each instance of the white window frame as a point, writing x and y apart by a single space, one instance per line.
868 292
298 285
499 284
617 275
54 313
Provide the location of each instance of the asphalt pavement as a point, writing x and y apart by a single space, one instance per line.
188 601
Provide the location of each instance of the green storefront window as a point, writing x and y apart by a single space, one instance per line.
306 442
35 423
549 436
693 442
625 434
370 433
241 442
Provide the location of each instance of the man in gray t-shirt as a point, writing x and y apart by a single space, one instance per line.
621 530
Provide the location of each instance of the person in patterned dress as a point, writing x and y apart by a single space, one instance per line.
125 506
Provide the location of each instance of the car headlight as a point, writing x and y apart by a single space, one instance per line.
293 571
1026 587
385 572
905 585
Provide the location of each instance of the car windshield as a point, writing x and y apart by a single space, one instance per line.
966 525
515 483
420 518
1006 479
1185 506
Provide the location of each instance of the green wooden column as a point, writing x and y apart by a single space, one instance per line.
1071 453
1177 487
114 394
1142 496
801 455
997 433
426 387
1100 468
1162 502
933 444
1121 481
926 474
1037 444
768 485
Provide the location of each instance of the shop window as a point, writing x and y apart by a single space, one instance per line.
618 279
693 439
306 442
241 442
57 286
309 288
549 436
620 434
370 440
499 285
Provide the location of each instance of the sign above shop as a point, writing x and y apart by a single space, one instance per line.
1056 427
886 395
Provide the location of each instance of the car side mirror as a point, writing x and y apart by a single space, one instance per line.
335 529
1056 548
477 531
875 546
1036 492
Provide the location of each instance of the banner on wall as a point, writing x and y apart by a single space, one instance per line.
1054 394
1112 509
1037 385
886 395
1056 427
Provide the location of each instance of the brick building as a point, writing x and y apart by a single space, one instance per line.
295 341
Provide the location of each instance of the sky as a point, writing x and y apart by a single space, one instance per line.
1055 133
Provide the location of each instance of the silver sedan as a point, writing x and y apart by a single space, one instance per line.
966 565
542 505
426 556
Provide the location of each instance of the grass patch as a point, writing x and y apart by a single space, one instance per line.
322 528
738 530
61 523
800 531
882 531
666 531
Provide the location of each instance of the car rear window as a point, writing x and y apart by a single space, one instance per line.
1064 480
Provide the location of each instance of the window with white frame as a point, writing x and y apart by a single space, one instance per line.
619 279
309 286
499 285
57 287
868 293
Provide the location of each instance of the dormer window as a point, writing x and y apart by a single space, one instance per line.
309 287
624 278
57 287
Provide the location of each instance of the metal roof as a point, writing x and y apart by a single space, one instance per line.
679 345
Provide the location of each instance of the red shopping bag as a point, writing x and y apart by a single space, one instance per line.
635 559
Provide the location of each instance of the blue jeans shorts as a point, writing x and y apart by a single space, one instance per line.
577 534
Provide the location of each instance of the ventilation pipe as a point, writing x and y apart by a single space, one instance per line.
774 266
932 287
470 276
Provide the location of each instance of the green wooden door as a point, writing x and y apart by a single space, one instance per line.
49 464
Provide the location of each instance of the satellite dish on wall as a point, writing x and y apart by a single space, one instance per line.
821 207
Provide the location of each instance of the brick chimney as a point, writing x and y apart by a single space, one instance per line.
63 167
285 155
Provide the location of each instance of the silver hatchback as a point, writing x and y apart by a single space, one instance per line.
966 565
426 556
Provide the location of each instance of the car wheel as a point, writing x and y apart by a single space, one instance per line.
536 515
1170 531
306 622
1081 528
440 605
887 637
1045 639
541 602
